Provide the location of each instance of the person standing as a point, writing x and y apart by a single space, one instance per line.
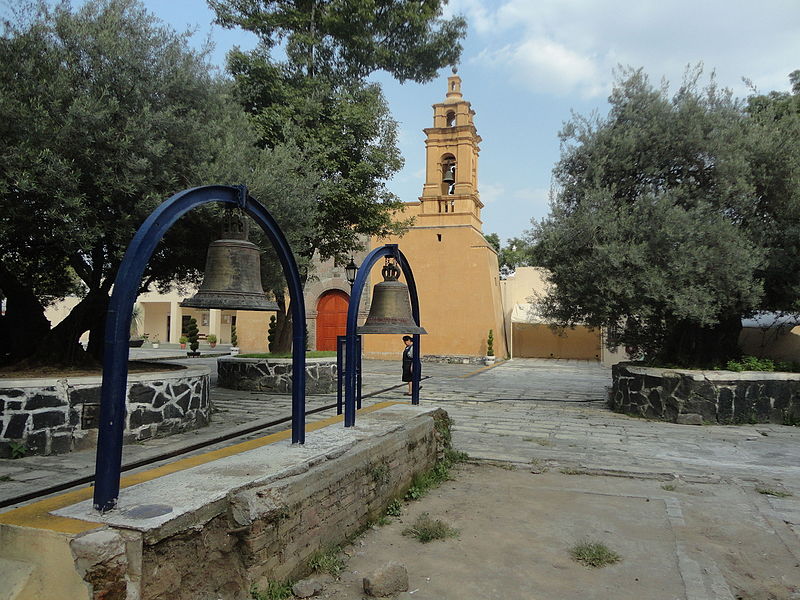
408 360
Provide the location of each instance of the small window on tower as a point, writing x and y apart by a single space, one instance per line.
451 119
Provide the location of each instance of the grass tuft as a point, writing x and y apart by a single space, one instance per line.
275 591
670 487
594 554
772 492
327 561
395 508
426 529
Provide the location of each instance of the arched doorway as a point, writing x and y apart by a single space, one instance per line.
331 318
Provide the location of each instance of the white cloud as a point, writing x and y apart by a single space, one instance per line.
564 47
491 192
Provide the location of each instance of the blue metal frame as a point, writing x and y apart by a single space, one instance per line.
118 322
352 384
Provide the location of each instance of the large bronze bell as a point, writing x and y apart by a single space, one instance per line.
232 279
390 311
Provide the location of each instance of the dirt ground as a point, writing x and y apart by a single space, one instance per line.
516 528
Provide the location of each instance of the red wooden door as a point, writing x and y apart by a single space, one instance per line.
331 318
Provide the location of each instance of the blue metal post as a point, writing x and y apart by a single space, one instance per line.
359 356
118 320
416 360
340 339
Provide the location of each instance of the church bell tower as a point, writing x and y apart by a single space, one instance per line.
452 147
455 268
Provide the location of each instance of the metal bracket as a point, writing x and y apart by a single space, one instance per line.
241 198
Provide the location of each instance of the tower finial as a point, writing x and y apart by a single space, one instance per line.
454 69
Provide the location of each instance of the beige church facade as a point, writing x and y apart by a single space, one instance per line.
455 268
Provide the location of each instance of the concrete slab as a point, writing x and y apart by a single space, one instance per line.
160 505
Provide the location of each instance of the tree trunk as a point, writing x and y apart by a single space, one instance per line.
60 347
283 325
687 344
24 324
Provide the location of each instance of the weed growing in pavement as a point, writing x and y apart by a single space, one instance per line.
570 471
382 520
327 561
18 449
275 591
670 487
426 529
6 478
771 492
594 554
395 508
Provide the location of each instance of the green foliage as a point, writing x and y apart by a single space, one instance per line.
395 508
518 252
192 334
5 478
753 363
234 337
273 326
104 113
275 591
426 529
328 561
490 344
422 483
211 338
183 339
349 39
18 449
674 217
380 474
594 554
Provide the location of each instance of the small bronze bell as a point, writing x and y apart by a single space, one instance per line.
390 311
449 174
232 278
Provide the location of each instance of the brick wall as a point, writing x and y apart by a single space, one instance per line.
268 531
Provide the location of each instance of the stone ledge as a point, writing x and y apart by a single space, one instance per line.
274 375
694 397
215 529
53 416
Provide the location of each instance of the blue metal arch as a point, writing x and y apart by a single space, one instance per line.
387 250
118 322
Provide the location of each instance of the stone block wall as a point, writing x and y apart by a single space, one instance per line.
725 397
274 375
453 359
57 416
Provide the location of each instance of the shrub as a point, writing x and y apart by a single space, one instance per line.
191 333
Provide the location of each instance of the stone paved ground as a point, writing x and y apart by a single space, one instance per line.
577 468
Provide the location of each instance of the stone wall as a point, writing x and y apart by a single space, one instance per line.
453 359
725 397
247 519
49 416
274 375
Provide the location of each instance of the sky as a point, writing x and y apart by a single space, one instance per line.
528 65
